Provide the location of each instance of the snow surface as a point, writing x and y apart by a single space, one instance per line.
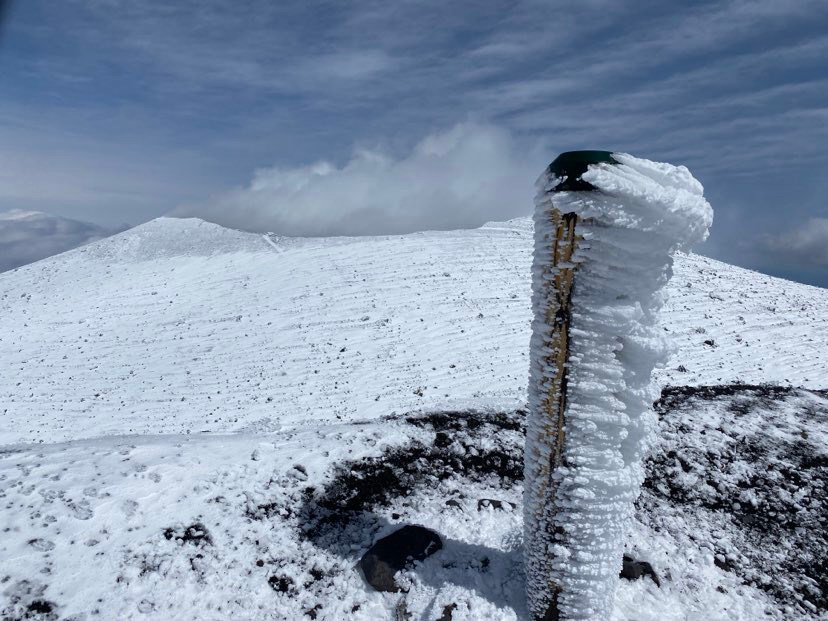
590 414
109 338
176 374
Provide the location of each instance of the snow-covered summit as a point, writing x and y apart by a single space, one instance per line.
168 237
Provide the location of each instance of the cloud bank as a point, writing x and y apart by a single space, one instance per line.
28 236
462 177
806 244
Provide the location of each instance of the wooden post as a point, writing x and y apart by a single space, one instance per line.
558 316
557 283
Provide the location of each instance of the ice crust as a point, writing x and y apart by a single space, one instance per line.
641 213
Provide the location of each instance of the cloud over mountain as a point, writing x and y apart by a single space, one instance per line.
457 178
28 236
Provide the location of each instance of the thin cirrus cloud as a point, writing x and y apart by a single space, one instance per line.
464 176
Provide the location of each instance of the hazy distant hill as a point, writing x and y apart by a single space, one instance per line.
28 236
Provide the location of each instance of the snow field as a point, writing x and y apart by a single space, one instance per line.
101 344
210 527
182 326
120 337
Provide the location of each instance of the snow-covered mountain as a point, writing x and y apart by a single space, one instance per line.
182 326
175 395
28 236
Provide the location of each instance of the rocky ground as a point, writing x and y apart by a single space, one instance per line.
731 521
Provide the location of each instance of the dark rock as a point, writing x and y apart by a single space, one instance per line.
196 534
633 570
491 503
40 607
453 502
281 584
392 553
448 613
265 511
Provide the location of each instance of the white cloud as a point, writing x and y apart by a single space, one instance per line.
806 244
28 236
462 177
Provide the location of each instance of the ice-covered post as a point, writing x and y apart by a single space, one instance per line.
606 227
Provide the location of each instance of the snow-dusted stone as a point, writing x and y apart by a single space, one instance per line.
602 258
393 553
495 505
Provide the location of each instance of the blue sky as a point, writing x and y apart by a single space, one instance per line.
262 114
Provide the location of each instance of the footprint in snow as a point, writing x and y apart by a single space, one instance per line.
129 507
43 545
81 510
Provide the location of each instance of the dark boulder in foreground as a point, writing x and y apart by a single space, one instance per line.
633 570
392 553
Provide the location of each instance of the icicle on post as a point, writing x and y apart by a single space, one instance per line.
606 228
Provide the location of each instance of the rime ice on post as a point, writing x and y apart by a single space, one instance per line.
606 227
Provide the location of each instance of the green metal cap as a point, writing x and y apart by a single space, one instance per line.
572 164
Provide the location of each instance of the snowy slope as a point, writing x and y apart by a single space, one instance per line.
180 326
118 354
